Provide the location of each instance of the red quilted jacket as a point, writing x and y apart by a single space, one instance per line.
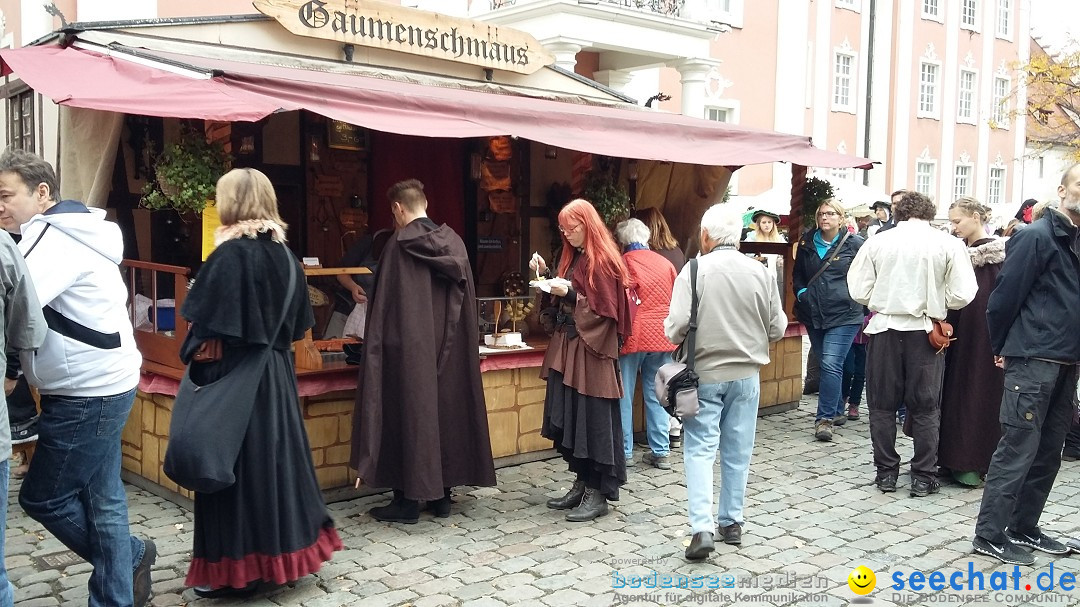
655 277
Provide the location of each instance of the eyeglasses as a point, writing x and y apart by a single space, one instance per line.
828 214
567 232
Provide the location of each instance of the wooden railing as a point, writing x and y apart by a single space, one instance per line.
158 346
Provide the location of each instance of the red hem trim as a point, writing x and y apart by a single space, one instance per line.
278 569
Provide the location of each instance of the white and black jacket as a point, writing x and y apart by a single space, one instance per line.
72 254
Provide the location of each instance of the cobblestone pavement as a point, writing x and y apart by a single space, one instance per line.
812 515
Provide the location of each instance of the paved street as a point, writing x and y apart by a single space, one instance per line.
812 515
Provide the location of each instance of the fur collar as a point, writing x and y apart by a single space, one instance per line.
249 228
988 253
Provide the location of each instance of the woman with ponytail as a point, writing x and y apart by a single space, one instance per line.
591 319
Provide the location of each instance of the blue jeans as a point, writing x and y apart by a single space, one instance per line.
727 419
7 591
73 488
832 346
656 419
851 388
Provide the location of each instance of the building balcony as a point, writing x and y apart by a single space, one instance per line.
668 8
627 34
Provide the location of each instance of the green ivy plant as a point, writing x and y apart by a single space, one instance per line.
611 200
186 173
815 192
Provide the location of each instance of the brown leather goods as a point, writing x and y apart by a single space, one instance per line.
941 335
209 351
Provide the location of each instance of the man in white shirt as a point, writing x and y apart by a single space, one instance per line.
909 275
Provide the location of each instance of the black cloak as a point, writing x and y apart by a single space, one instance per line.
420 422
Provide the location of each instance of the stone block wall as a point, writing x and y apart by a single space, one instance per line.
781 379
515 405
327 418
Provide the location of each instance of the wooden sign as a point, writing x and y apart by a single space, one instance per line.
408 30
345 136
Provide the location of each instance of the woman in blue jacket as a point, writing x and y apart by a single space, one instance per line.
823 305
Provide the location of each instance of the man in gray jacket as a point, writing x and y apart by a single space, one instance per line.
23 330
738 315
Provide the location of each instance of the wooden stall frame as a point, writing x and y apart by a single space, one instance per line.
160 352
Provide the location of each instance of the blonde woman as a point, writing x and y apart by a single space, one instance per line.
824 306
972 388
271 524
661 239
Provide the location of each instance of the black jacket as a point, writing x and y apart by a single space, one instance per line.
826 303
1032 310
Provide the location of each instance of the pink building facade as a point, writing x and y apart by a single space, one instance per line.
926 87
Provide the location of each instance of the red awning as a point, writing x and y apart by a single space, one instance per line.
246 91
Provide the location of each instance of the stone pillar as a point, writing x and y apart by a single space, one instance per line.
616 80
693 73
565 52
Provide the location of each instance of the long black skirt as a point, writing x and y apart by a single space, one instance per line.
272 524
587 432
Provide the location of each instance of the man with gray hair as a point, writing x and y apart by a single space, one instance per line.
738 315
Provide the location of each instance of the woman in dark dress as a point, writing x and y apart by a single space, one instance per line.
973 385
272 524
581 408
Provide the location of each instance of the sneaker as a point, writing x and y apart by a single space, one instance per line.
1008 553
24 432
853 412
674 441
656 461
886 482
923 488
823 430
1038 541
631 462
900 418
732 534
839 420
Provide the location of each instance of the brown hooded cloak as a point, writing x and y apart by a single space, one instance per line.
420 422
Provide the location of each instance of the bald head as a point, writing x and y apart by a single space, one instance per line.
1069 190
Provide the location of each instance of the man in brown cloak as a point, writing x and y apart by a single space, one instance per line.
420 422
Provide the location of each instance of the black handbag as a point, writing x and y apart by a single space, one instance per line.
209 422
676 383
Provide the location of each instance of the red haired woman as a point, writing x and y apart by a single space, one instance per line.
592 316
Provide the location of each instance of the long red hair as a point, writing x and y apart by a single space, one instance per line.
601 253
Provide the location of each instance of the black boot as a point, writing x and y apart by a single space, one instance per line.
399 510
440 507
571 499
593 505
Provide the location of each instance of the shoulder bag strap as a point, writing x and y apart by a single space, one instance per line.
288 295
828 258
692 332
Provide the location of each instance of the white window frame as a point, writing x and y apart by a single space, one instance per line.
974 24
1003 28
852 81
995 174
938 10
733 107
731 15
932 177
1000 107
935 111
969 179
973 109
